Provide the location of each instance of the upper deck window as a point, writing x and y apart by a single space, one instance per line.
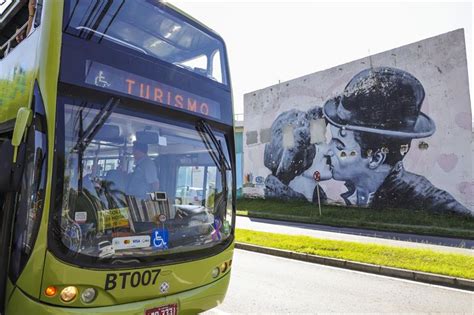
145 26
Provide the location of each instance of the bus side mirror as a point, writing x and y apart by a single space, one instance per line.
23 120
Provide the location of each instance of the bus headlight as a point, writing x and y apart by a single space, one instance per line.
68 294
215 272
88 295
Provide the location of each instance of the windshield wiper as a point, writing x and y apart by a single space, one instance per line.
86 136
219 159
217 154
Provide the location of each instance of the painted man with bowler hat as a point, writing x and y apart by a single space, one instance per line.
372 125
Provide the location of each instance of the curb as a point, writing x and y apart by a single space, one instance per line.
453 282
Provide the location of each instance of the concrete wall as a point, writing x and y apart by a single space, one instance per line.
414 98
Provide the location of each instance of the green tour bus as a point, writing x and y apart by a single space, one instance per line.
117 167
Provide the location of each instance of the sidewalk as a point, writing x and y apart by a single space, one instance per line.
444 244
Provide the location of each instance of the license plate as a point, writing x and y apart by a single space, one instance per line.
171 309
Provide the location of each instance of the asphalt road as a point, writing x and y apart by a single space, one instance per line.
263 284
451 245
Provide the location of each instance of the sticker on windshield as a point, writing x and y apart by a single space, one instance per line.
162 218
80 217
162 141
105 249
160 238
113 218
128 242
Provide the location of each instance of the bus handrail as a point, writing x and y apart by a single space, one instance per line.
112 38
5 48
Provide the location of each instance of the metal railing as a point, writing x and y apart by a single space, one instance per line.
7 47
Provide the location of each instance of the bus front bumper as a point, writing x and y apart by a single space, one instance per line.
190 302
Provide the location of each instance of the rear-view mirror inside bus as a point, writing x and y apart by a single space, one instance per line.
147 137
109 133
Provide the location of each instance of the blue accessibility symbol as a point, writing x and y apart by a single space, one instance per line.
160 238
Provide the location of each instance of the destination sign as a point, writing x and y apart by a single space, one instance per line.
110 78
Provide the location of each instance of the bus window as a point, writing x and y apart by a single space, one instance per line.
191 185
23 17
199 62
157 33
136 175
196 185
211 185
217 66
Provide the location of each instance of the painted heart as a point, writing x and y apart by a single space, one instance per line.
463 120
466 188
447 162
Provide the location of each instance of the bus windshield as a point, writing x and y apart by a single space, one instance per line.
146 27
137 186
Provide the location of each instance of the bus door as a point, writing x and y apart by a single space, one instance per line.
22 193
9 184
6 215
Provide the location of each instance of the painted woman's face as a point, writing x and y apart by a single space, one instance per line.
344 156
319 164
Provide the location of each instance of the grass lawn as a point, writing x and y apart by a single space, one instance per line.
455 265
396 220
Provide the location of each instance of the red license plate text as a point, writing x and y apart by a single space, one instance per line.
171 309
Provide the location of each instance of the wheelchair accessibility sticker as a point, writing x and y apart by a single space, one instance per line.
159 238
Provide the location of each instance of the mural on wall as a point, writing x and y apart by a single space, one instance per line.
291 155
372 124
